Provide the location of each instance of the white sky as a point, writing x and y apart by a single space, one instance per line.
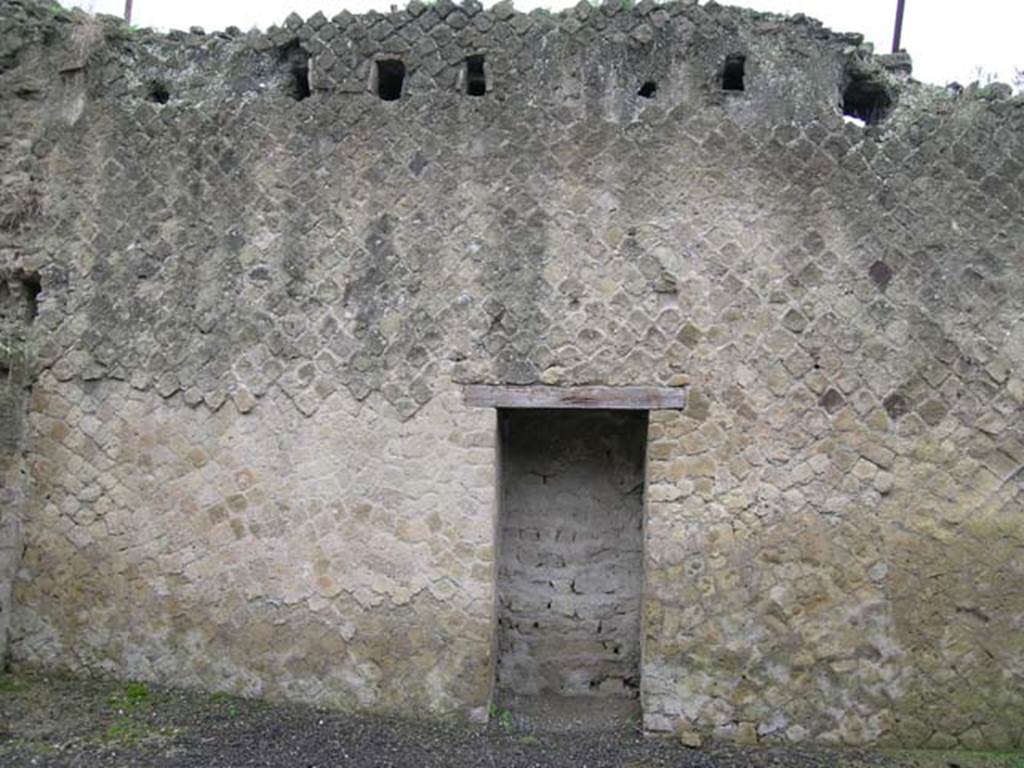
948 39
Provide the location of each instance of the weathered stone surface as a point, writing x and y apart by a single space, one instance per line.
244 462
690 739
18 305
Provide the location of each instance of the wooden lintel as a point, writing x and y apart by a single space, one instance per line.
610 398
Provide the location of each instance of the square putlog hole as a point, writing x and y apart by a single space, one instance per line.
734 73
390 79
476 76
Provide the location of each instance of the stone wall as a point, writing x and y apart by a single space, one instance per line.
249 466
347 562
18 292
570 553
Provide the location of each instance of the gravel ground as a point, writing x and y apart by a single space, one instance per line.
54 720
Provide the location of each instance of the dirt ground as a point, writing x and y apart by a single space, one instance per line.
57 720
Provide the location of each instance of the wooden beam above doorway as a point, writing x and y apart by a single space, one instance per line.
607 398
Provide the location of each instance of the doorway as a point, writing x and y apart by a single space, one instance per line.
570 561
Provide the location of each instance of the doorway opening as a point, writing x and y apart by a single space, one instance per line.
570 563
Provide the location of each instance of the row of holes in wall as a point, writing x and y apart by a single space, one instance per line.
864 100
733 74
390 77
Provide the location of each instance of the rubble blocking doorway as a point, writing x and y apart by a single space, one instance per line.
570 563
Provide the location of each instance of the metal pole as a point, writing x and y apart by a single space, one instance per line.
128 11
899 26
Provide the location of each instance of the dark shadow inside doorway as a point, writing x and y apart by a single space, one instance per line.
570 564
